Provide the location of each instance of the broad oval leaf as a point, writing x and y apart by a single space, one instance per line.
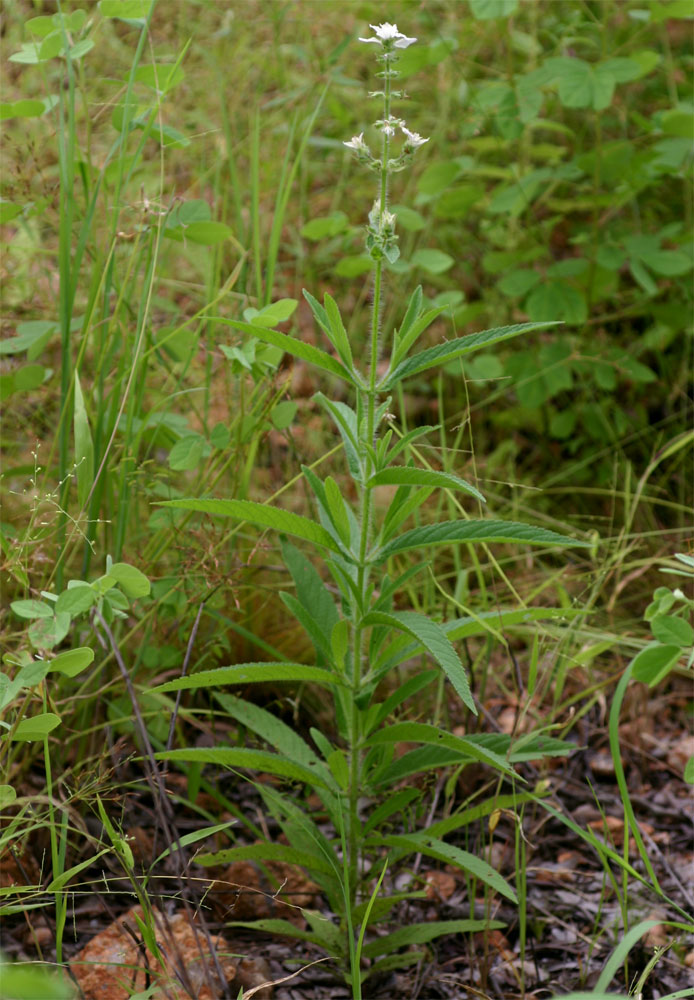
131 580
475 531
654 662
403 475
30 730
672 630
73 661
249 673
32 609
257 513
76 600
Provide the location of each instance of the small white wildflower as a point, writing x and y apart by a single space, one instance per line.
388 33
413 139
356 142
389 124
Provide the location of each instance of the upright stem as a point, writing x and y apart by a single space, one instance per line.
367 402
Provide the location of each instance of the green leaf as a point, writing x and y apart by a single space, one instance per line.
420 732
84 448
654 662
126 10
339 335
449 854
205 233
486 10
72 661
475 531
312 593
354 265
283 414
21 109
186 453
254 760
276 733
274 313
7 795
48 632
257 513
161 77
249 673
32 334
297 348
433 261
673 630
330 225
30 730
76 600
32 609
420 933
192 838
688 772
27 981
405 475
62 880
266 852
443 353
434 640
519 282
131 580
413 325
556 298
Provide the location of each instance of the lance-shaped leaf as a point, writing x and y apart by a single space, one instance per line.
434 640
400 475
84 447
263 515
449 854
441 354
297 348
411 330
420 933
254 760
266 852
475 531
248 673
421 732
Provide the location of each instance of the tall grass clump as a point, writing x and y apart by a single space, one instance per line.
353 612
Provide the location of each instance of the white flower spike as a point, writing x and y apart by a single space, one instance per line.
412 139
389 36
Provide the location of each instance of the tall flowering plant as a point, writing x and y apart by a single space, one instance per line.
373 821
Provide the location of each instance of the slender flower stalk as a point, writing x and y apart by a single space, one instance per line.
381 242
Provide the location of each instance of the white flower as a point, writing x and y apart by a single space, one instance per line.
413 139
389 33
389 124
356 142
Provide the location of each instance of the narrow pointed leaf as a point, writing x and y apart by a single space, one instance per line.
419 933
248 673
84 448
475 531
278 734
434 640
449 854
421 732
259 761
297 348
441 354
266 852
263 515
404 475
408 337
340 338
